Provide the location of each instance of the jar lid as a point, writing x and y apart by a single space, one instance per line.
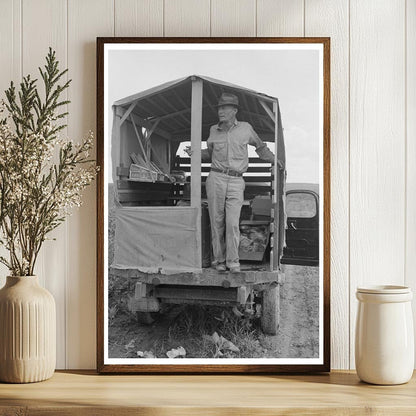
384 289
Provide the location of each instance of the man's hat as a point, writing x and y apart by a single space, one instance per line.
228 99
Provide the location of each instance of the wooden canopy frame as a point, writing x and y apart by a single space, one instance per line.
190 121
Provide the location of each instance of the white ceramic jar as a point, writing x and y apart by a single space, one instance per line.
384 338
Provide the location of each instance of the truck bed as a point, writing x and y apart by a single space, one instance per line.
251 273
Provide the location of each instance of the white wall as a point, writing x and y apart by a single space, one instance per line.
373 132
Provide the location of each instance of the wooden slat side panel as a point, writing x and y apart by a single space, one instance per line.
377 152
280 17
10 67
251 160
331 18
187 18
411 150
251 169
44 25
233 18
85 21
138 17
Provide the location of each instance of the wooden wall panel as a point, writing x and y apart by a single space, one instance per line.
138 17
187 18
233 18
6 45
377 152
330 18
10 66
280 18
381 241
411 150
86 20
10 44
44 24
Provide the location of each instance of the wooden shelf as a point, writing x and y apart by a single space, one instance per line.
86 393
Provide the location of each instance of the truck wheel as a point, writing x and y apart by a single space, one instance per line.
270 310
146 318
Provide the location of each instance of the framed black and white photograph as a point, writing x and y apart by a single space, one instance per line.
213 205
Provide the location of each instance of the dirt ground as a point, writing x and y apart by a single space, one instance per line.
298 335
191 327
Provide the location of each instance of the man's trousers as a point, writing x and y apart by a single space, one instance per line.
225 198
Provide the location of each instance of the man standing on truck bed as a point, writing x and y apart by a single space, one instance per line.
228 153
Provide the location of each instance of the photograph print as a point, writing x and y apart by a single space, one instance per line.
213 210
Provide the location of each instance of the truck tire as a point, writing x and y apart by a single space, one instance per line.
146 318
270 310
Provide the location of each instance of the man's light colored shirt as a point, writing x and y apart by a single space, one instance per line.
228 149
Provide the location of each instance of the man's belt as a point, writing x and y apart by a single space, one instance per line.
228 172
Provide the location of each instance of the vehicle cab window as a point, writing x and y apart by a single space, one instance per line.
300 205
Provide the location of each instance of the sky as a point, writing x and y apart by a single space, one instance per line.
290 75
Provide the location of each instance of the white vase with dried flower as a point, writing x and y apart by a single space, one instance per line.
41 178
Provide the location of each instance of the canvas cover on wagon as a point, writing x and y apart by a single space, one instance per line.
155 248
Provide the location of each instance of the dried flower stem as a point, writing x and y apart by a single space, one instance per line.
36 193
